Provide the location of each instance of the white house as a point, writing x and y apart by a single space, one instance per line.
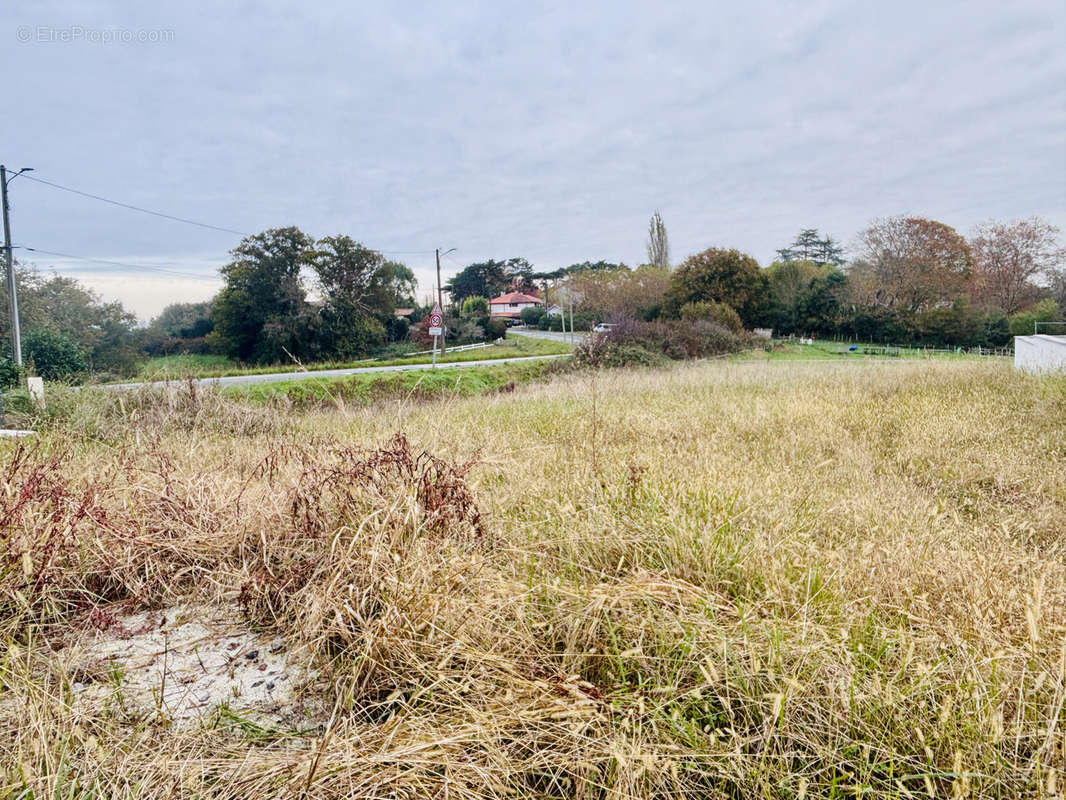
510 305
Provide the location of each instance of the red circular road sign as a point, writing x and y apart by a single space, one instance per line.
435 320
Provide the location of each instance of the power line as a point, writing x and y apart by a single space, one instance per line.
136 208
183 219
116 263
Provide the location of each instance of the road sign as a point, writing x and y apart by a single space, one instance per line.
436 321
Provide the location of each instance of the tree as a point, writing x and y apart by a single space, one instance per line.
475 307
54 355
1023 323
183 320
718 275
490 279
658 246
1009 258
788 283
103 332
621 293
590 266
1057 288
911 264
809 246
360 291
347 270
262 312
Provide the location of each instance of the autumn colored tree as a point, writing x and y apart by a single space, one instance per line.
1009 259
721 276
910 264
620 293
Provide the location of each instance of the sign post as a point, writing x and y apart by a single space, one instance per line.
436 328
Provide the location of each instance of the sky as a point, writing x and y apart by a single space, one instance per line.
550 131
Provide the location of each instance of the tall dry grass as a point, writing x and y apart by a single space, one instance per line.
727 580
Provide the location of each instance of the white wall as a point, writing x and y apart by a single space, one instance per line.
1041 353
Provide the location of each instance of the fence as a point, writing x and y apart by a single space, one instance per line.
458 349
841 347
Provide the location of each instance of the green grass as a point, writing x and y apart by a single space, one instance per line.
211 366
828 350
364 388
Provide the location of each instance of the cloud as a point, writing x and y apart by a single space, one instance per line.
547 130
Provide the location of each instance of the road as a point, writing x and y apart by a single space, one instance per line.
273 377
555 336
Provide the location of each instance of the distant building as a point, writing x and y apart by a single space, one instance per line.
510 305
554 310
404 312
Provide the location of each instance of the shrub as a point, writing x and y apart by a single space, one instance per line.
10 373
532 316
55 356
722 313
397 328
1024 322
469 330
600 351
475 307
676 339
496 329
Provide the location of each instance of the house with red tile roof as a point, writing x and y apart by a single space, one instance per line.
510 305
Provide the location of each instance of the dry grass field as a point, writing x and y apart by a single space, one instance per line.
727 580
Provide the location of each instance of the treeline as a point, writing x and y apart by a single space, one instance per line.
912 281
288 296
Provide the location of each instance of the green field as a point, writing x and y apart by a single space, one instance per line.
210 366
829 350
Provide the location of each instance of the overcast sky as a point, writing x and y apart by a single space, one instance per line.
545 130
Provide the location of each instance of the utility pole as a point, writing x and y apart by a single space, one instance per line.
571 320
440 293
440 301
16 338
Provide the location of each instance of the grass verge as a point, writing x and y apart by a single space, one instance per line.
208 366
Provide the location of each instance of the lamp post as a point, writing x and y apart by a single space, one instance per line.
16 337
440 293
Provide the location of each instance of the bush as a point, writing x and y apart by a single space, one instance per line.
600 351
467 331
1024 322
475 307
397 328
496 329
532 315
628 340
10 373
722 313
174 346
54 355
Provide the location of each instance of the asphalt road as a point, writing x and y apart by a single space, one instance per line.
272 377
555 336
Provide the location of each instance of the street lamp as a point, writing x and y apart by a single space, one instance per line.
16 337
440 293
